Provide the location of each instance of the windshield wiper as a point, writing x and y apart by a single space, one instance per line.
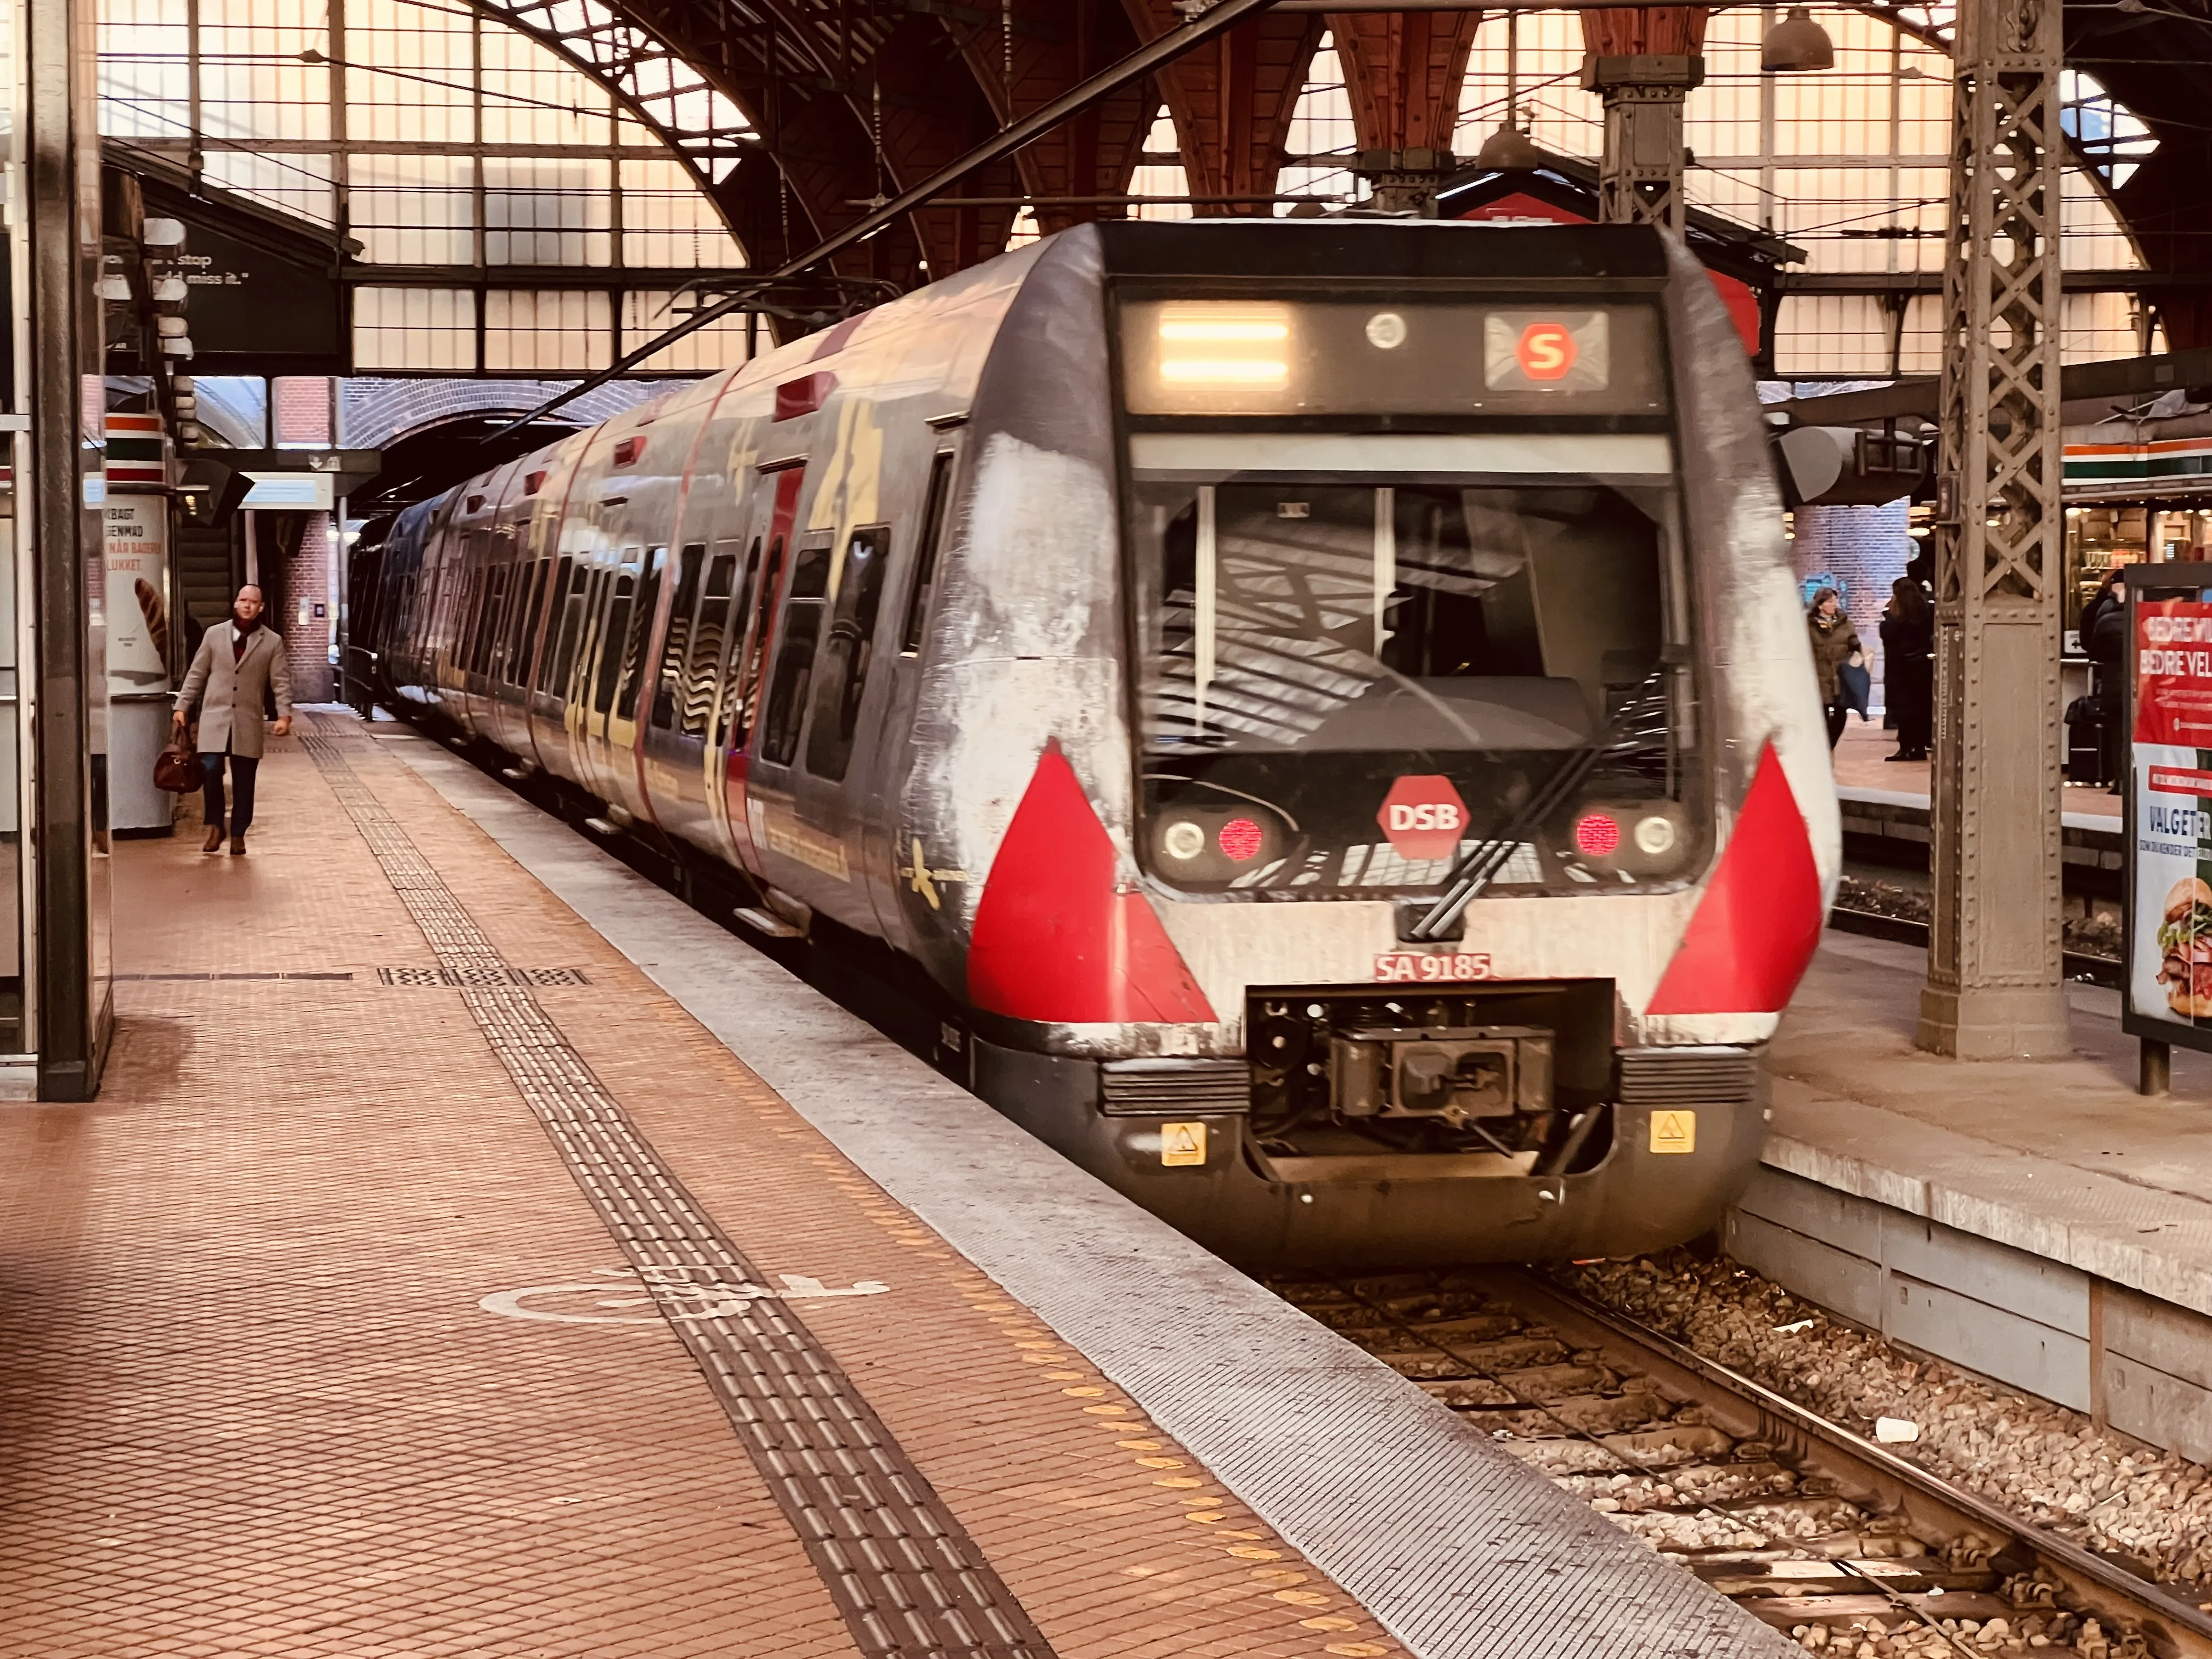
1482 862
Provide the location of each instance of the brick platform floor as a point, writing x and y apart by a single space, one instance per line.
252 1401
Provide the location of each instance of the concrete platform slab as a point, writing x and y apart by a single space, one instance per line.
416 1285
2038 1221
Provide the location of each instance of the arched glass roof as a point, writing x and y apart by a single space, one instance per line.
509 215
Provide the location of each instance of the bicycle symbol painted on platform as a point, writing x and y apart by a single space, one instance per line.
671 1292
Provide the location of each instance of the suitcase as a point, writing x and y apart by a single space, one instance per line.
2085 739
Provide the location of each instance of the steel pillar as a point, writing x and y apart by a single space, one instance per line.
1994 988
58 408
1640 176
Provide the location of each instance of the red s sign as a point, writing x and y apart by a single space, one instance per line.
1546 351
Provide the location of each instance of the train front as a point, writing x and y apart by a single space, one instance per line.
1452 784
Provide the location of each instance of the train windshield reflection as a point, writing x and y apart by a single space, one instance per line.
1308 643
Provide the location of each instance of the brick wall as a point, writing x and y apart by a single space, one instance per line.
1865 547
307 643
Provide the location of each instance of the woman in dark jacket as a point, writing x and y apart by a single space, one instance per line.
1908 655
1835 642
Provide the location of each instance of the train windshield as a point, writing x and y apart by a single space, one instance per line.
1364 655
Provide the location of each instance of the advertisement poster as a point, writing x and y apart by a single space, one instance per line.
138 540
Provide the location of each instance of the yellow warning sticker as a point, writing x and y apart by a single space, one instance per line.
1183 1143
1673 1132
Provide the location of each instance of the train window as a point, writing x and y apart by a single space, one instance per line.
465 609
641 629
488 624
752 644
785 709
852 641
1314 649
524 638
708 635
563 611
675 650
614 632
577 683
925 554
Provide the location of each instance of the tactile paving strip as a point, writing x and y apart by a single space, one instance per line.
449 976
903 1572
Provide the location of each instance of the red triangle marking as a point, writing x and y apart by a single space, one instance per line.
1054 939
1759 923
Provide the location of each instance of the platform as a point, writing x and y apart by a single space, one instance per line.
2040 1222
475 1251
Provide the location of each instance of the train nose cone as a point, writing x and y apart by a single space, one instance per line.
1424 1079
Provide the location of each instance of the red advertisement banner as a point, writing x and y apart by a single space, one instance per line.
2173 673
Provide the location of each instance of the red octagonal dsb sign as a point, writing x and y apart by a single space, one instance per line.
1423 817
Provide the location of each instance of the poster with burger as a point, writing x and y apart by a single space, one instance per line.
2170 898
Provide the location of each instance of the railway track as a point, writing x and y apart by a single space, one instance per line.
1825 1535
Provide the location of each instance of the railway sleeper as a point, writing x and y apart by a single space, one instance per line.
1846 1552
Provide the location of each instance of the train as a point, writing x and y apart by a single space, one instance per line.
1313 717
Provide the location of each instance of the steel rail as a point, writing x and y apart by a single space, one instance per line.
2174 1629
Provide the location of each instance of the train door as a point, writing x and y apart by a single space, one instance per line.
600 672
599 581
615 712
784 837
904 864
767 558
827 804
513 660
675 728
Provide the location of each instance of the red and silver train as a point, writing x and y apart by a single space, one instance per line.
1313 716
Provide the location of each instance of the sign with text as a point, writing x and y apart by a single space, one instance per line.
2169 867
136 538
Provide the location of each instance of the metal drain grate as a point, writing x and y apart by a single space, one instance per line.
896 1562
477 975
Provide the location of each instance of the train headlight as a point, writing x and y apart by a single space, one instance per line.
1206 846
1183 840
1386 331
1643 840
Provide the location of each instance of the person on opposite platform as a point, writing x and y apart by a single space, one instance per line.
1835 642
1908 675
239 668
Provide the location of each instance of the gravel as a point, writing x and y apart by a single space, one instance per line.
2096 934
2038 1460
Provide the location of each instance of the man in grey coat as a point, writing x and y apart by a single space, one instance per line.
238 665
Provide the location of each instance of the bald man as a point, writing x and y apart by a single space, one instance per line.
240 664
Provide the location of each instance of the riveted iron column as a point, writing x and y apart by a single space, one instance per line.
1994 983
1639 179
60 487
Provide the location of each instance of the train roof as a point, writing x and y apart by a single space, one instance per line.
1364 248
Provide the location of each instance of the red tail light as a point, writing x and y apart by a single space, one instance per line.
1240 840
1597 834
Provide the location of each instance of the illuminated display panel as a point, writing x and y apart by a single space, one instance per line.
1389 356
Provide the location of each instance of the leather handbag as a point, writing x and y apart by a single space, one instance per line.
176 769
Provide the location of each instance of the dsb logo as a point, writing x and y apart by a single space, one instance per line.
1431 815
1423 816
